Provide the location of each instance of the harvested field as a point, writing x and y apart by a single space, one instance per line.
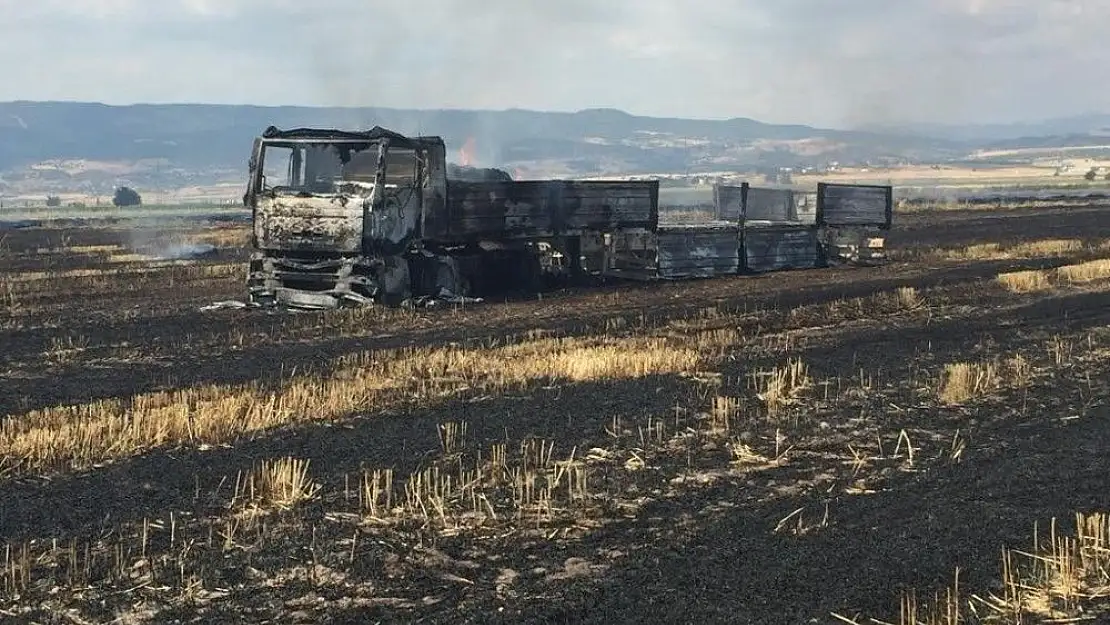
921 442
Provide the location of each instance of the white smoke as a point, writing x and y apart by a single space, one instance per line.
157 239
852 63
183 251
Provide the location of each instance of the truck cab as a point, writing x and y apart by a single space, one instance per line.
333 212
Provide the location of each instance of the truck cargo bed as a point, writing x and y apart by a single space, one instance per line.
534 209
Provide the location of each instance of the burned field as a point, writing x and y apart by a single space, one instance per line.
848 444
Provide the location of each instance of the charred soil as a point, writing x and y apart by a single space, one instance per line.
796 447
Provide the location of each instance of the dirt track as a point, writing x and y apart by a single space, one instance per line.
688 538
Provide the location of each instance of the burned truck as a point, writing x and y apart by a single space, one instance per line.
343 217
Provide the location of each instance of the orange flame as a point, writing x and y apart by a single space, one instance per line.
466 153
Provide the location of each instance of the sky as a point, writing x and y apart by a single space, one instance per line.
842 63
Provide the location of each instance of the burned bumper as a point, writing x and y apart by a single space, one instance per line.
320 282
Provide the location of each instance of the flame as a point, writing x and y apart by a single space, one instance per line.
466 153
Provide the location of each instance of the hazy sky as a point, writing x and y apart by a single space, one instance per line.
829 62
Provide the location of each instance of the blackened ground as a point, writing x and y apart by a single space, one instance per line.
695 555
186 347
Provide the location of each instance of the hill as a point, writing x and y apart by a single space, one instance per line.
191 143
91 147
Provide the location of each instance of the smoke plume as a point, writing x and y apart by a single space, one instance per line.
846 63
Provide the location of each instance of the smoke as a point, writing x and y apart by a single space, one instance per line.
157 240
183 251
876 63
856 63
456 54
845 63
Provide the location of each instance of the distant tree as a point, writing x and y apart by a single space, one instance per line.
1092 174
53 201
126 196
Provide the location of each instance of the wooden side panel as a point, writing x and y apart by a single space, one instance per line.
728 202
698 251
492 210
775 248
775 205
599 205
854 205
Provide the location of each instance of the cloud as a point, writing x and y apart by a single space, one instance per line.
845 63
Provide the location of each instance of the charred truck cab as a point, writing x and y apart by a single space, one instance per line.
337 214
346 217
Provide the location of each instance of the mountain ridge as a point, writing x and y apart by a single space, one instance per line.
197 143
